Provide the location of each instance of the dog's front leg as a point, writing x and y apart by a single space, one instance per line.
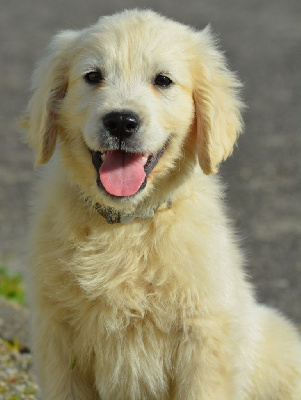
56 363
202 366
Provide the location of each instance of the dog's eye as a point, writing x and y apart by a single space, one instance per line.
162 81
93 77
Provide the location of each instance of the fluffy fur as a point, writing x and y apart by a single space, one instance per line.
158 308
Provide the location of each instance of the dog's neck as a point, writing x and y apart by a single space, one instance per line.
114 216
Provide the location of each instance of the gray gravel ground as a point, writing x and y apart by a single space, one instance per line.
17 380
262 41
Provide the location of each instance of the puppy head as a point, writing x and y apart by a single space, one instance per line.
132 100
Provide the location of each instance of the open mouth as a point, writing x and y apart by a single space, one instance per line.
121 173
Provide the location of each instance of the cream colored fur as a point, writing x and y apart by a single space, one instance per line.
158 308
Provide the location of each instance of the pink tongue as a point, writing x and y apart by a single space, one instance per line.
122 173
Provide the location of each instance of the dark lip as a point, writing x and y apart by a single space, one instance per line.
149 166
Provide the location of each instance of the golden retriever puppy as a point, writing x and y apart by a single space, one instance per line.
138 290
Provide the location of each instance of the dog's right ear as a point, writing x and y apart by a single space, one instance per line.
49 85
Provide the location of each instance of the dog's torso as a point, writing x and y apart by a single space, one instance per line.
129 295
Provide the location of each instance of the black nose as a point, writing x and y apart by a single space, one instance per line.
121 124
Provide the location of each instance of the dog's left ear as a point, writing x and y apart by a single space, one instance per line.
49 85
217 104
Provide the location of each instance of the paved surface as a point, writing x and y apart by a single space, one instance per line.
262 42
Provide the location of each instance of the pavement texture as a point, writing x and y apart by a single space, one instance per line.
262 42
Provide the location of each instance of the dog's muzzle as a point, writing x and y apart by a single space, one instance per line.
122 171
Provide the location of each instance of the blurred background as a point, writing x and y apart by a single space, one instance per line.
262 41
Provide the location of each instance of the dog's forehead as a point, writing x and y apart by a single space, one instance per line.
141 31
139 42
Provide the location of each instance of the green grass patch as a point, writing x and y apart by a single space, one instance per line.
11 286
30 390
12 344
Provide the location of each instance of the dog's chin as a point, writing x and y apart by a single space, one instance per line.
111 189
